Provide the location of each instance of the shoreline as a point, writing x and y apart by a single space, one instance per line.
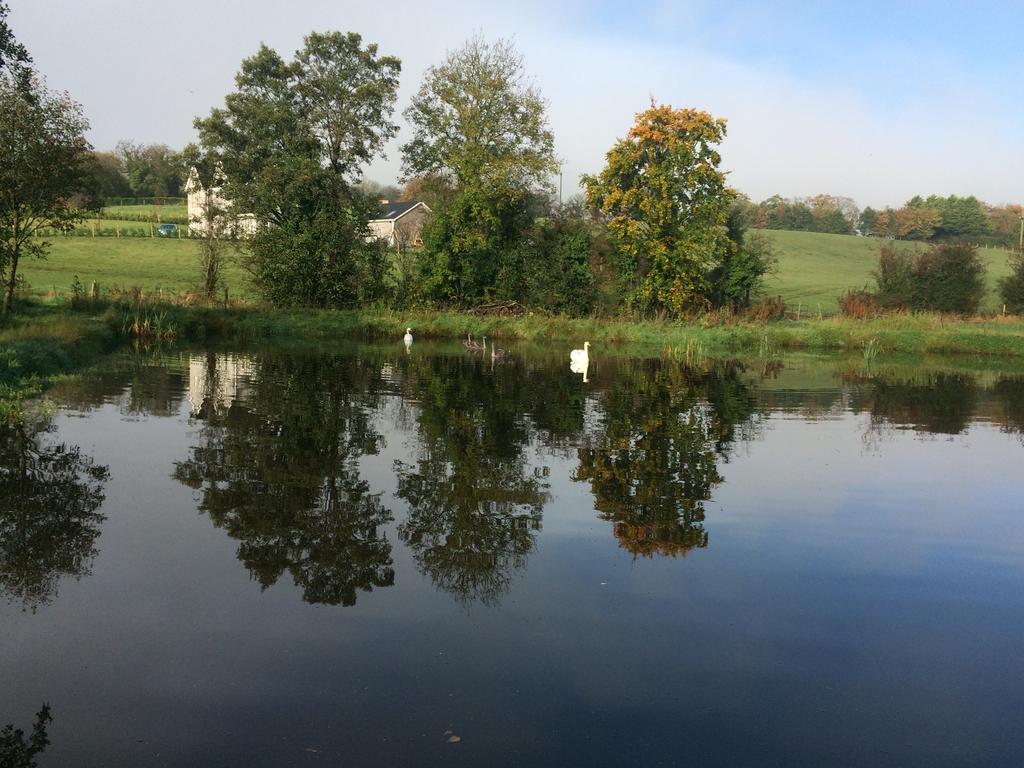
43 342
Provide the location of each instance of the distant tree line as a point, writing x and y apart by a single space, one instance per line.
945 218
933 218
821 213
138 170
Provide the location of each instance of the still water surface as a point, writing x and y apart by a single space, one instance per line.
287 558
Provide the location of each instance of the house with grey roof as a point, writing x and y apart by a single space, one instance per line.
400 224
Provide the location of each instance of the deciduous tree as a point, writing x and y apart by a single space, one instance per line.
292 141
44 162
13 55
480 126
666 203
152 170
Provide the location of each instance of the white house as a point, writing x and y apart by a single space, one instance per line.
398 223
199 202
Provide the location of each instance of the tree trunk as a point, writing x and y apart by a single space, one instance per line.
11 282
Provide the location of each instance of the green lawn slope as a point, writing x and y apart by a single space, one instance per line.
814 269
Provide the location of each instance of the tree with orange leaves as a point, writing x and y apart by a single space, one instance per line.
666 204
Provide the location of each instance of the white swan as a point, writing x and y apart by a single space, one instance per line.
581 356
580 367
408 337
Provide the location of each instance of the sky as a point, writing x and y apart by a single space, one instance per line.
877 101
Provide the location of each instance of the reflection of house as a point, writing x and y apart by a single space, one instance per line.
201 201
214 382
400 223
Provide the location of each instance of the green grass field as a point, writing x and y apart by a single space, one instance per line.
157 264
814 269
161 212
126 226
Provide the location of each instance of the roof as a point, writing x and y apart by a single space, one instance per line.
392 211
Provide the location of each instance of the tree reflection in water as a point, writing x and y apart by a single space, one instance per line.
939 403
474 505
278 469
654 461
18 750
49 523
1010 391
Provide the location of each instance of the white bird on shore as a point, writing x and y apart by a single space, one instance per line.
581 356
408 337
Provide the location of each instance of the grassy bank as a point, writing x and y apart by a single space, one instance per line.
39 346
904 334
45 341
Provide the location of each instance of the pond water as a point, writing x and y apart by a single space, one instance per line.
374 557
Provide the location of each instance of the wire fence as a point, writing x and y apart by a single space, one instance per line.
93 228
128 201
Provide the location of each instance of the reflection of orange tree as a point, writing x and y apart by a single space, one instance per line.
49 523
655 461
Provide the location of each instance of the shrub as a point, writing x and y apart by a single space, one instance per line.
557 262
742 270
895 278
948 277
770 308
1011 287
859 303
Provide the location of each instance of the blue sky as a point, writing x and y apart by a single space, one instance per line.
877 101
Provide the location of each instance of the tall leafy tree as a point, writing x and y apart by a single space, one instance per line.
480 125
44 163
152 170
292 141
109 180
960 216
866 222
666 203
13 55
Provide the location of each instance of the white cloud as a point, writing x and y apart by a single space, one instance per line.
145 75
